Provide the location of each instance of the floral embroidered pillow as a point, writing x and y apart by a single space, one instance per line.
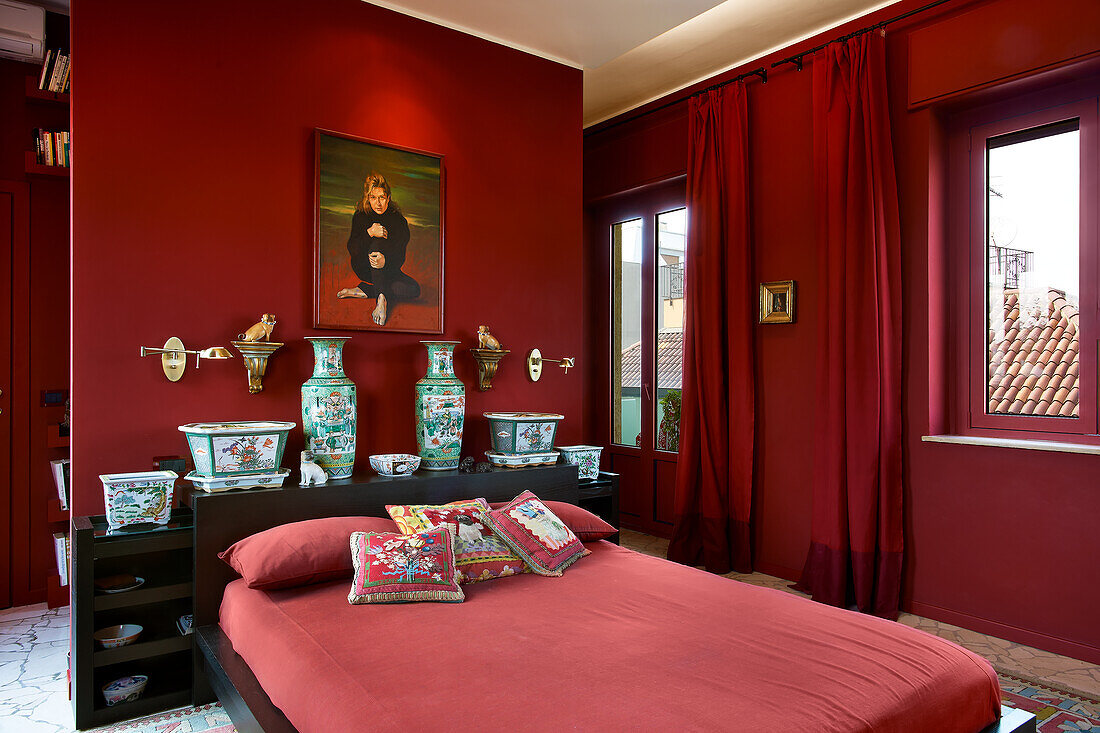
400 568
536 534
479 554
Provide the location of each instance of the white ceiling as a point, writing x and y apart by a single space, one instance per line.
635 51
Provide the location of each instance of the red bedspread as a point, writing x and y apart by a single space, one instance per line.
622 641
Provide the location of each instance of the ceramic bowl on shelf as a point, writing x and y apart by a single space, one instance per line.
118 635
395 464
585 457
125 689
227 449
520 433
524 460
138 498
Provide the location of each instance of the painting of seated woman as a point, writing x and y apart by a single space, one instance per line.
379 236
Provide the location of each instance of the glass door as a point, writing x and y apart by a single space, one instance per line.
644 236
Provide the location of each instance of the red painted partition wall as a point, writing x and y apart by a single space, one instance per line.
192 213
998 540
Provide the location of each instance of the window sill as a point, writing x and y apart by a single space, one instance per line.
1044 445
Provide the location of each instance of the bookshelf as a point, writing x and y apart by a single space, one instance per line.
34 94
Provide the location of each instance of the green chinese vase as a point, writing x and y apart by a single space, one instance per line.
328 409
440 409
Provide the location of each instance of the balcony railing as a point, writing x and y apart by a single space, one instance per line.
670 281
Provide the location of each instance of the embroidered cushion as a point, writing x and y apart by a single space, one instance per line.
479 553
400 568
300 553
539 537
587 526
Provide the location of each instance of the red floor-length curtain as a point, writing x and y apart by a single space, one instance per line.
856 548
714 468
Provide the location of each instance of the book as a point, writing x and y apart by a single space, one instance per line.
65 80
62 552
50 55
55 75
63 74
60 469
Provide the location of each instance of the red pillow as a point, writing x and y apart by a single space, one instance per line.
536 534
586 525
300 553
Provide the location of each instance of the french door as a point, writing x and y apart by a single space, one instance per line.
8 223
643 238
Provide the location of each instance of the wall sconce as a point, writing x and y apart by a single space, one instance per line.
255 355
535 360
487 362
173 357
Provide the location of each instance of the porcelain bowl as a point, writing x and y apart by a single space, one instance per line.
522 433
585 457
118 635
395 464
226 449
125 689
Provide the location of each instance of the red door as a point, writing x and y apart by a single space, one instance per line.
641 238
7 240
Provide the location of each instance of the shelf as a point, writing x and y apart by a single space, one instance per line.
54 438
142 706
54 512
141 650
143 595
35 94
33 168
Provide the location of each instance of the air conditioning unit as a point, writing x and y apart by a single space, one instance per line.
22 31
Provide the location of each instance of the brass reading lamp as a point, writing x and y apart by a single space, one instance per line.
173 356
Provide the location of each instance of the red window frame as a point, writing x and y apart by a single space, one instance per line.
970 234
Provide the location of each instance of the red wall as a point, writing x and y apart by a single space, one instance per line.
41 312
998 540
192 213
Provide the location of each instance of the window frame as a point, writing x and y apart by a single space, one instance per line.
971 233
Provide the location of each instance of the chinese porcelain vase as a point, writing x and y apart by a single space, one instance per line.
328 409
440 409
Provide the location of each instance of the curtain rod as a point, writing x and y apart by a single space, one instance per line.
796 60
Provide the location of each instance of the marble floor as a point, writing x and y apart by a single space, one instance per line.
1007 657
34 642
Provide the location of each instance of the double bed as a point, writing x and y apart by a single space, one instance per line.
620 641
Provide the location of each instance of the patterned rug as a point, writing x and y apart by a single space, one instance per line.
203 719
1057 711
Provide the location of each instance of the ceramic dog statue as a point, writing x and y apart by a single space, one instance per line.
486 340
312 474
261 330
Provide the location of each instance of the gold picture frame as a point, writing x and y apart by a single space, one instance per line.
777 300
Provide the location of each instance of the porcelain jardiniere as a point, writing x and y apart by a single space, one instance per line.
440 410
138 498
329 409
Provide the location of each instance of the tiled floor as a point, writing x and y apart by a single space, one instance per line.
34 697
1006 657
34 642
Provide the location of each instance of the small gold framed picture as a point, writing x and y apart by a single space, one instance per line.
777 302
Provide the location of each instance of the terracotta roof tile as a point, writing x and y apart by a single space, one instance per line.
670 362
1033 367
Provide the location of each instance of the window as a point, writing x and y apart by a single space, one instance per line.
1033 283
662 347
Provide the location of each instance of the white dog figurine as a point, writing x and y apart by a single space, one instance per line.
312 474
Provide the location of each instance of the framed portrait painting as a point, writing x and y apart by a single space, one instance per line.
378 236
777 302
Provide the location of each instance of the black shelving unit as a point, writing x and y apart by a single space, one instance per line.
161 555
600 496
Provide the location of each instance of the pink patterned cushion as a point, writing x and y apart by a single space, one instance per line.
398 568
479 554
539 537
